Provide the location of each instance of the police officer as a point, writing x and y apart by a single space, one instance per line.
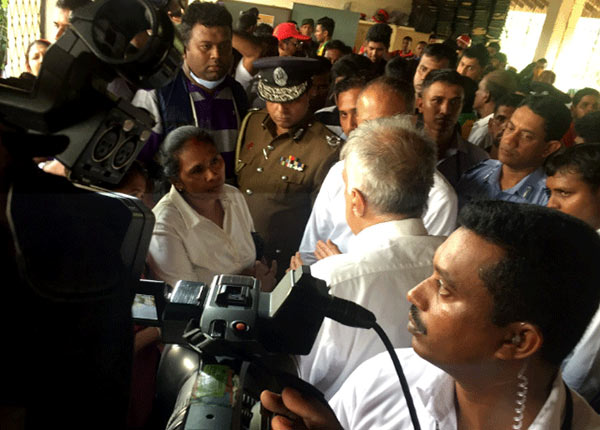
283 155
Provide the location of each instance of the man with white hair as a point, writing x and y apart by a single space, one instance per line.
388 172
326 231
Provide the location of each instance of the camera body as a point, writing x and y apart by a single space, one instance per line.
232 341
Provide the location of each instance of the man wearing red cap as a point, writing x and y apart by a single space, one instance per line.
290 39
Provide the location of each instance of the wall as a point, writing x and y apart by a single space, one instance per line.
367 7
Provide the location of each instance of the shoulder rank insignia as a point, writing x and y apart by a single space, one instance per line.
334 141
292 163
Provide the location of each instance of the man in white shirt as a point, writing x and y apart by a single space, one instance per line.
574 185
491 88
326 231
511 293
388 171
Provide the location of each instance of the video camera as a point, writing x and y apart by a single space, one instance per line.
240 339
74 252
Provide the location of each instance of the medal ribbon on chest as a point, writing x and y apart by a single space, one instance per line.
292 163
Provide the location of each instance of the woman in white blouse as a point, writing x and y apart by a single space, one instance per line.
203 226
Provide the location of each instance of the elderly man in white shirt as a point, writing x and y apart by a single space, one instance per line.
491 88
326 231
387 175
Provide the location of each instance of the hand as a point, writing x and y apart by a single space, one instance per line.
266 275
296 412
295 262
55 167
326 249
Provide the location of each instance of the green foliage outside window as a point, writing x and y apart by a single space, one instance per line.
3 33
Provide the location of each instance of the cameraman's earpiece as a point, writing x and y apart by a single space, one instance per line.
516 339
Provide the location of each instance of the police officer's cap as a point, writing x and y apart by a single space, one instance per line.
284 79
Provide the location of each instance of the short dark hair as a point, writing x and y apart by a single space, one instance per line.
399 67
41 42
439 51
557 118
380 33
327 24
173 144
246 21
479 52
583 160
349 84
401 88
498 83
584 92
263 29
469 88
203 13
500 56
494 45
588 127
352 65
307 21
339 45
449 76
511 100
71 4
548 276
136 168
407 38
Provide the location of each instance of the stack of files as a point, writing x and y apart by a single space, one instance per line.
445 21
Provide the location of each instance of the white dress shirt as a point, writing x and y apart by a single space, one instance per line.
186 245
328 218
383 263
372 398
479 131
581 369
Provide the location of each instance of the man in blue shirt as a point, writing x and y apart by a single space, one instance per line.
531 135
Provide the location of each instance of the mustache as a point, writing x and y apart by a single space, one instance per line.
414 313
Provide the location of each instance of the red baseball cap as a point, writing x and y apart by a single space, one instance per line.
464 39
285 30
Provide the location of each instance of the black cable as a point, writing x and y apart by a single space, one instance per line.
354 315
400 372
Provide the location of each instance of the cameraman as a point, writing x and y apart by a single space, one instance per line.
512 291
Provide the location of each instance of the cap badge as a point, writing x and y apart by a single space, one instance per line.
280 77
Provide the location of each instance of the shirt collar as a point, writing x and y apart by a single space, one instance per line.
437 393
296 132
483 121
378 235
529 184
552 413
436 390
191 218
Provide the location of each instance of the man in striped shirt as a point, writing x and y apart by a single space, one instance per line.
202 94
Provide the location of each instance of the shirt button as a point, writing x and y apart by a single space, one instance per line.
284 178
259 169
249 191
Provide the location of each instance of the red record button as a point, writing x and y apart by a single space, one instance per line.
240 326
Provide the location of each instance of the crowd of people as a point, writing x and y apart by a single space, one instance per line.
433 185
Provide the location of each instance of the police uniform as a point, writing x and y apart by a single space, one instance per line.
280 176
